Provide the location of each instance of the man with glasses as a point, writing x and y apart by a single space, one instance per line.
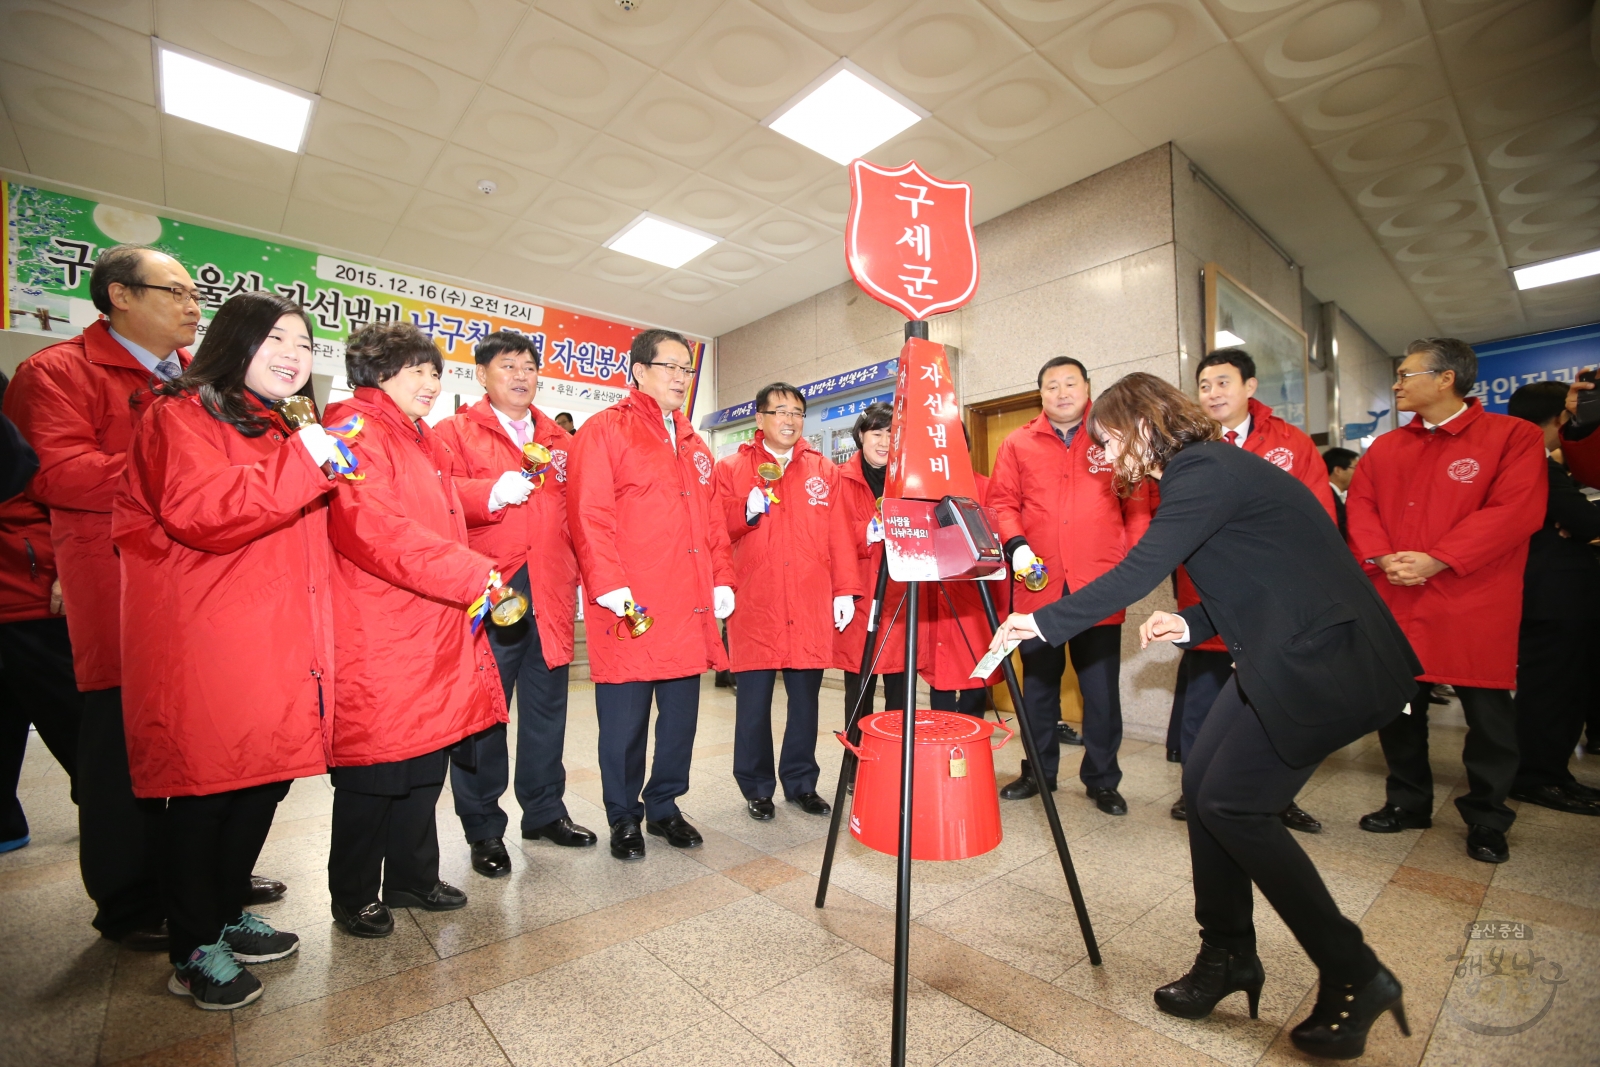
794 561
651 545
1440 512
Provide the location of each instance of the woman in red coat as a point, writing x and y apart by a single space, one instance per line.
221 529
414 678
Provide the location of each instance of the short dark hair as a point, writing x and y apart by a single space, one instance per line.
1062 361
1538 402
564 415
645 343
1141 401
873 417
1339 459
380 350
1237 358
1452 354
506 341
119 264
778 389
217 372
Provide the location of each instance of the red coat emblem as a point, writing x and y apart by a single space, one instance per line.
909 242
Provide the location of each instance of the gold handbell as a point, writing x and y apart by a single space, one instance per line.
506 606
770 471
1035 578
535 455
298 411
633 623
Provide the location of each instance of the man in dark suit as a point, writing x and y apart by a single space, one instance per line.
1557 682
1341 468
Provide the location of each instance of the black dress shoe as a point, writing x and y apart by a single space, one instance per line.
1487 845
442 897
1557 797
1297 818
1023 787
1582 792
627 843
676 830
490 858
265 890
1216 973
563 832
1174 755
1391 820
373 920
1107 800
1066 735
812 804
1337 1027
155 939
1180 809
760 808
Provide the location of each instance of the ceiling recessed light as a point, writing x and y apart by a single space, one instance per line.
659 240
845 113
1228 339
1551 271
226 98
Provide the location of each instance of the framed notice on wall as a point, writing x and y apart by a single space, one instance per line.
1238 318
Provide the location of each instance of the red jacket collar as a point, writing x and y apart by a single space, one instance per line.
101 347
852 470
380 405
545 429
757 444
1260 415
1456 425
1042 425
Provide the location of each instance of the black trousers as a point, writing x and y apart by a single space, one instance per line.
541 779
967 701
1490 756
120 865
1558 686
752 735
1097 659
894 692
623 710
208 847
37 688
387 842
1236 784
1201 676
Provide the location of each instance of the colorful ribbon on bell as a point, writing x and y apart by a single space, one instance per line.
480 608
536 460
1036 577
346 463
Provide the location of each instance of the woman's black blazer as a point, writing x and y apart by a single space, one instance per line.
1317 653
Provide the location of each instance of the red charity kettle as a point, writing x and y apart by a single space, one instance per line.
955 810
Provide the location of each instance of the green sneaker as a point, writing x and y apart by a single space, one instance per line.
253 940
214 980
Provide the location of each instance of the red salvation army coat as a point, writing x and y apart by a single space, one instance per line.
1470 494
1064 504
789 566
227 610
534 533
860 505
72 403
1289 448
412 677
1583 458
957 640
644 515
27 560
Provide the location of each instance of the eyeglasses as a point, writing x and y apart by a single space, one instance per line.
674 370
180 295
1400 378
784 413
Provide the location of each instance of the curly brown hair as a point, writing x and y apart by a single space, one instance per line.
1141 404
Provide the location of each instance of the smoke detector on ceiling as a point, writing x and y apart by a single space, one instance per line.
486 187
627 5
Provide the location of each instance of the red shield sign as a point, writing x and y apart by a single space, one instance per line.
910 243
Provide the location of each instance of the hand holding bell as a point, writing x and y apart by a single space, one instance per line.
634 621
769 472
535 462
1036 577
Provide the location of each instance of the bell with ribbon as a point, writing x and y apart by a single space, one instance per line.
499 603
769 472
297 411
634 621
1036 577
535 462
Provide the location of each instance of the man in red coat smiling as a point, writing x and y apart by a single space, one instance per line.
525 532
1441 511
651 542
795 561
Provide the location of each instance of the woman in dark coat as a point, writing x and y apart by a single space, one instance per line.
1318 663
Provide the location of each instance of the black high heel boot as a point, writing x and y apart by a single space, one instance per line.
1337 1027
1215 974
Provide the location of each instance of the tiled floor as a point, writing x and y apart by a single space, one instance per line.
717 956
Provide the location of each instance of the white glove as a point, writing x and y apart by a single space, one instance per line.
510 488
318 443
1022 559
615 600
755 504
722 601
874 530
844 609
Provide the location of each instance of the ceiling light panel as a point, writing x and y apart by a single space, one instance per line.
845 113
225 98
658 240
1565 269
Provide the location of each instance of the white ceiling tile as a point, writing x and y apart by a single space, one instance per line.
11 156
782 233
729 262
501 271
939 149
332 227
1015 103
1551 218
200 193
1513 36
579 212
431 253
555 66
190 146
1075 149
458 171
446 216
998 187
1128 41
1445 244
1432 216
838 27
939 48
92 164
533 243
688 288
1237 17
1320 39
624 173
1548 87
1039 20
707 204
504 127
1385 145
749 59
1442 13
770 165
1480 264
827 201
134 15
1369 92
348 189
1445 174
375 77
1571 135
1519 190
77 48
1167 107
681 123
328 8
648 31
40 100
370 143
461 34
273 38
618 269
